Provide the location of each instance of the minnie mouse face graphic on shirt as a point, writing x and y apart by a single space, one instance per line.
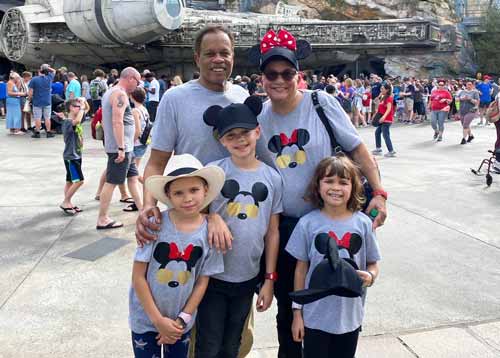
290 152
350 243
175 265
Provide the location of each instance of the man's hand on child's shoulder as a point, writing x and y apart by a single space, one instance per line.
146 227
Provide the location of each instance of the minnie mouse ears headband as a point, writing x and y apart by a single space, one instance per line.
281 45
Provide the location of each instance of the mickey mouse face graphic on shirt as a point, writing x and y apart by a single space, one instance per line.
243 204
175 265
289 150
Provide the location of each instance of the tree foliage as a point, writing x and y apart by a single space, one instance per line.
487 42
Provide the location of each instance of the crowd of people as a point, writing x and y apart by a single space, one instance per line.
270 190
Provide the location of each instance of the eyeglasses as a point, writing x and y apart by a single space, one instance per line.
287 75
136 80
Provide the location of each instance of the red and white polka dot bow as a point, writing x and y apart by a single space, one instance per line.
283 39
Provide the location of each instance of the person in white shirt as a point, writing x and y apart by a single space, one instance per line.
154 95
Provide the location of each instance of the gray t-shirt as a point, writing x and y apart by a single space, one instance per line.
110 145
246 203
176 260
295 143
179 121
334 314
466 106
73 140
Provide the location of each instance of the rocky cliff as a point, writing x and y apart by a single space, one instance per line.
440 11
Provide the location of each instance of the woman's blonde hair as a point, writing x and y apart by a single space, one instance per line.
340 166
177 80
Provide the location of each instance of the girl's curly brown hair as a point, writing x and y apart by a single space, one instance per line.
342 167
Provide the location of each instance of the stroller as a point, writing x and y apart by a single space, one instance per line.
489 162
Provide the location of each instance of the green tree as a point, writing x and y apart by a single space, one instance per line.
487 42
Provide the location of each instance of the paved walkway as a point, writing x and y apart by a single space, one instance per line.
63 285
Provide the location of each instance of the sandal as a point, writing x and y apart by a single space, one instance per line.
77 209
97 197
131 207
68 211
127 200
112 225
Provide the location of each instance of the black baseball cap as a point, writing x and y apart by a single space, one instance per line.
279 53
236 115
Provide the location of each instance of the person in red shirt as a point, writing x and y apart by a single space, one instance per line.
439 106
386 113
366 102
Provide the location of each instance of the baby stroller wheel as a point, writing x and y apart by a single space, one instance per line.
489 179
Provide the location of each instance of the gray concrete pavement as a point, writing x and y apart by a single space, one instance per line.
438 294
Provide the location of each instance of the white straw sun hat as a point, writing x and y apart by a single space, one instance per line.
186 165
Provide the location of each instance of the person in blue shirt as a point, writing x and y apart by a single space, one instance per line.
3 96
74 89
39 94
484 88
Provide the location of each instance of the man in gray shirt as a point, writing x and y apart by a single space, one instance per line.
119 131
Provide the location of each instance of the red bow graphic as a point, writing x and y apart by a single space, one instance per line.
345 242
175 254
287 141
283 39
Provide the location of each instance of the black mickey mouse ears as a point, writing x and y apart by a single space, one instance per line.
332 276
236 115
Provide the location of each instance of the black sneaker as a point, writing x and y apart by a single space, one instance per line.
463 141
35 135
435 135
471 137
24 130
50 135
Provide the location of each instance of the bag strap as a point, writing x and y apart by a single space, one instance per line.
336 148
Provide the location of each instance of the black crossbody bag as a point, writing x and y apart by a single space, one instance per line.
336 147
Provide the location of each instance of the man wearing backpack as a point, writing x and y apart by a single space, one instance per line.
97 88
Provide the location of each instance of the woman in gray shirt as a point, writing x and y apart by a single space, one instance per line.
469 100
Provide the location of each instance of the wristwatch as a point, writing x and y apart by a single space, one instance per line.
185 318
273 276
380 192
121 149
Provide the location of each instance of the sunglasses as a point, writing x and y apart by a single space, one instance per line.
76 106
287 75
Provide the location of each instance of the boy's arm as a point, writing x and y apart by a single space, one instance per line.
272 243
78 118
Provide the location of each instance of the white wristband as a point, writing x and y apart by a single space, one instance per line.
296 306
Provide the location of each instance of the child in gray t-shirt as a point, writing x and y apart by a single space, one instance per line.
330 326
250 203
171 274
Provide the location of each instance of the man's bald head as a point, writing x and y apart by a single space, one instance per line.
129 72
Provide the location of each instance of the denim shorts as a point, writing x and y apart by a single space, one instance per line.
39 111
140 150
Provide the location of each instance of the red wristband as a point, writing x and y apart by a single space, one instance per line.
380 192
273 276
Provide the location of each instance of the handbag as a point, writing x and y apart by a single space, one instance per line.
336 147
376 119
27 106
493 112
144 138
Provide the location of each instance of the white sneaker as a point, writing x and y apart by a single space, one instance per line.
390 154
377 151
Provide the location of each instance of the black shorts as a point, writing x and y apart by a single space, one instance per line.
116 173
419 108
73 170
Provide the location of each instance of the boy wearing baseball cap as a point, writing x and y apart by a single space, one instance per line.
250 202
